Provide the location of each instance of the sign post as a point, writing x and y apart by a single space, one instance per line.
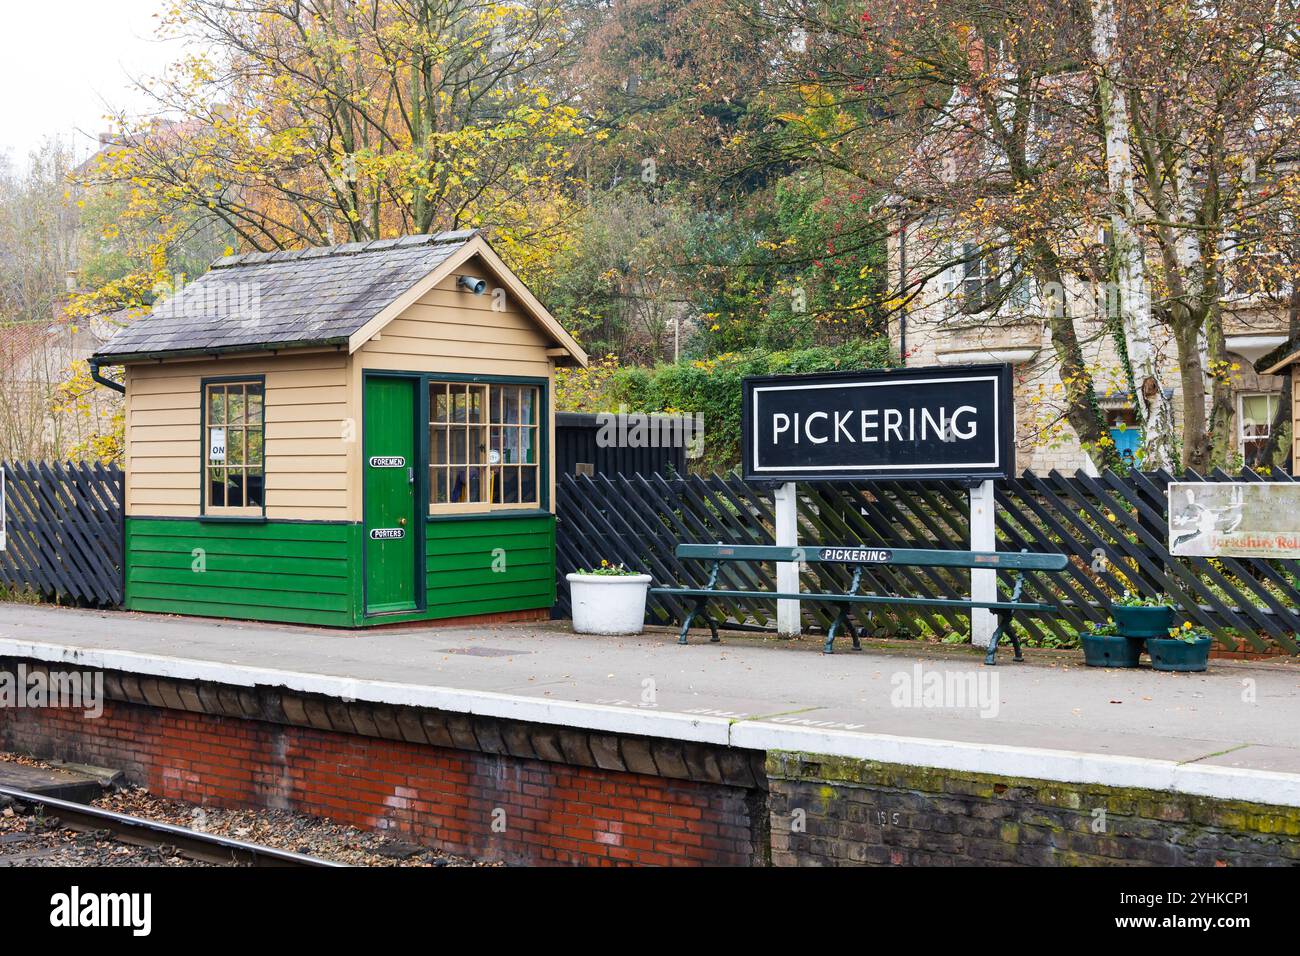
983 581
788 615
887 425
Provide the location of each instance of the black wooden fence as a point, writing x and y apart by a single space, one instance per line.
1112 527
63 525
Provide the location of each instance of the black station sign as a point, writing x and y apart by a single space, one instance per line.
895 424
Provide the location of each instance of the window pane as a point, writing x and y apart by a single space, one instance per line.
510 404
476 400
254 486
255 405
256 447
526 452
474 490
217 487
477 445
438 446
528 484
459 401
1256 415
438 485
459 485
459 446
235 404
528 411
234 488
216 405
235 445
438 402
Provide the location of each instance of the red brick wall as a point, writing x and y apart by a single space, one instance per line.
553 813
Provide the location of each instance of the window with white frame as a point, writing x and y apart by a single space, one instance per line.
1255 423
484 446
975 282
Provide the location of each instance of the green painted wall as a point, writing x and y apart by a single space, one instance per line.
460 574
266 571
311 573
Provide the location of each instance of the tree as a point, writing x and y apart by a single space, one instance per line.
324 121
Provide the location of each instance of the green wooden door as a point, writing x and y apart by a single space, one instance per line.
390 494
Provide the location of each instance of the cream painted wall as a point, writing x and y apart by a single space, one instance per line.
313 403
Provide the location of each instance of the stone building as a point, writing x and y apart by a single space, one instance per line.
940 327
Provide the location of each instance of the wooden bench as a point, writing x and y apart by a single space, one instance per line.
859 558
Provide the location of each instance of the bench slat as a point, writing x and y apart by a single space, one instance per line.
857 599
862 554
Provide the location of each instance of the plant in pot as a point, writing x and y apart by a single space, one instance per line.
1185 648
1141 617
1104 646
609 599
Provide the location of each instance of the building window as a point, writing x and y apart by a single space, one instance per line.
483 446
1125 432
1255 423
234 448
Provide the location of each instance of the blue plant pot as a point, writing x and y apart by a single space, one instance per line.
1106 650
1143 621
1171 654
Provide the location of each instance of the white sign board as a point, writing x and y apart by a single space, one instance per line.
217 445
1234 519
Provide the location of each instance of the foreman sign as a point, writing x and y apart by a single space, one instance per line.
895 424
1214 519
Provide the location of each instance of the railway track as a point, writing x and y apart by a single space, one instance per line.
139 831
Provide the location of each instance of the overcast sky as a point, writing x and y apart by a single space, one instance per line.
61 61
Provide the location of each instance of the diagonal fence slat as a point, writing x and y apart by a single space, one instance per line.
63 524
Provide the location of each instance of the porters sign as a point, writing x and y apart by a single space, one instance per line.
894 424
1234 519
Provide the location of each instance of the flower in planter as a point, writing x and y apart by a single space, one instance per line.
1133 599
1109 629
1188 633
608 570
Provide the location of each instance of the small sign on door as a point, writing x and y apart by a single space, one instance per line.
387 534
387 461
217 444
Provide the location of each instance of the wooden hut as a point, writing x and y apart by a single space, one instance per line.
353 435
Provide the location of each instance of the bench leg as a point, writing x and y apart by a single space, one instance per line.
845 618
1004 624
686 623
698 610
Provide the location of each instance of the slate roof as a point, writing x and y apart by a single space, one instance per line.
316 296
1278 358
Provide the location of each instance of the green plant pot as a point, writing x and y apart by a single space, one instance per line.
1171 654
1106 650
1143 621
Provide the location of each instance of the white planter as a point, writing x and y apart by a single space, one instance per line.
608 603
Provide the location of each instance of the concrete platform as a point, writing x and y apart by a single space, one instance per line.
1229 733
